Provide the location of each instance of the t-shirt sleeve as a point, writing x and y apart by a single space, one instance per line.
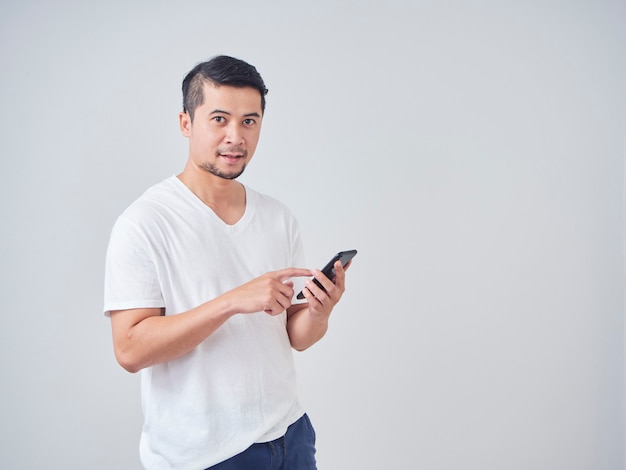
131 279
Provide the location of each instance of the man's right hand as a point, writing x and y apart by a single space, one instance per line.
270 293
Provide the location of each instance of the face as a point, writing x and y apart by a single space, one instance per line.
225 130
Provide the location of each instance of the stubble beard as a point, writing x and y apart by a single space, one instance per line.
214 170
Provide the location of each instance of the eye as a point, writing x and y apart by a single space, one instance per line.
219 119
249 122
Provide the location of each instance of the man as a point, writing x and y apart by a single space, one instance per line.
199 287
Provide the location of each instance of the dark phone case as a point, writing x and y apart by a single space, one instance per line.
329 269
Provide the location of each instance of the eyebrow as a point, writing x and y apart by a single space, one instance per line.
221 111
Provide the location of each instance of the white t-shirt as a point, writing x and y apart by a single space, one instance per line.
170 250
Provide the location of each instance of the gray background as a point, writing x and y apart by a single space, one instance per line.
473 152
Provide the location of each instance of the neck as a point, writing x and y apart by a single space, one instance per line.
213 190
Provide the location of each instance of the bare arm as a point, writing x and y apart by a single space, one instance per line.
308 323
145 337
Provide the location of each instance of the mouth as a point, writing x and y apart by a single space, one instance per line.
232 157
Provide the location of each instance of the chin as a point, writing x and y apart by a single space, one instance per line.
227 175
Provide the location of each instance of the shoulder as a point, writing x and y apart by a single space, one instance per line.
157 207
155 199
272 215
267 203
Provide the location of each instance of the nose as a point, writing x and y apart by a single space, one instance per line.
234 134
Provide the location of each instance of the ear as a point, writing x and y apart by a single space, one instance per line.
184 120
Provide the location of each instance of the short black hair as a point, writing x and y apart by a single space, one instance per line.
220 70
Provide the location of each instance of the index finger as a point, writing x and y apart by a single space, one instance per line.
284 274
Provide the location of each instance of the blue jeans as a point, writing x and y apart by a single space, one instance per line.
294 451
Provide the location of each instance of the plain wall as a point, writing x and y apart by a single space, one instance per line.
473 152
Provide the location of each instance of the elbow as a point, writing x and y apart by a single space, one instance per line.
128 361
129 367
127 364
300 347
303 342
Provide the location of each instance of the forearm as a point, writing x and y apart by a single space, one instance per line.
143 337
157 339
306 328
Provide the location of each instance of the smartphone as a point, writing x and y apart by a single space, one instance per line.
329 269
